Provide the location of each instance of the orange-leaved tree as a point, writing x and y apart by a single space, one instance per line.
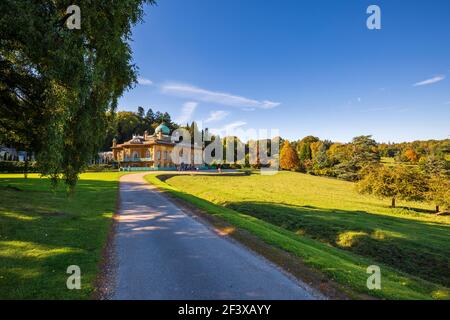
288 157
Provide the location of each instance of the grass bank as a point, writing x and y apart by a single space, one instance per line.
42 232
330 227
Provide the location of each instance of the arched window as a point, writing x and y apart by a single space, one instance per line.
148 154
135 155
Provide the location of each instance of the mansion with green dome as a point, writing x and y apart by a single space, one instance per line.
151 151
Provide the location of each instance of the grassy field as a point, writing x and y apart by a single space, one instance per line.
333 228
42 232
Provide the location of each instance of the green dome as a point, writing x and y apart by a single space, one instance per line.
162 128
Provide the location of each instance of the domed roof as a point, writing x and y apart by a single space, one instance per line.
162 128
136 140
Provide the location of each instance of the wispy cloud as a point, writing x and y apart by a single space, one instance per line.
216 115
196 93
429 81
144 82
386 109
228 129
186 112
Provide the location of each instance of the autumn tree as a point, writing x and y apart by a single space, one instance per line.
393 182
437 169
411 155
288 157
439 192
434 165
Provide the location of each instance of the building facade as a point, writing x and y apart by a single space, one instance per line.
154 151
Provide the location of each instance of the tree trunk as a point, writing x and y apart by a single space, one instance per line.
25 174
438 209
393 203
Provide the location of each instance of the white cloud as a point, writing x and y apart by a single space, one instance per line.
228 129
216 115
144 82
186 112
192 92
429 81
235 125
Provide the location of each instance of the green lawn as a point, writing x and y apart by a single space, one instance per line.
42 232
333 228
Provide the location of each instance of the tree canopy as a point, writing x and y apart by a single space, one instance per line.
288 157
57 84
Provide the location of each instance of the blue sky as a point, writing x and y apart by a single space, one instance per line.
303 67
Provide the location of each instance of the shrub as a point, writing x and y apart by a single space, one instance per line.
17 167
100 168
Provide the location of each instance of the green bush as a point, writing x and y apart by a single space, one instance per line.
17 167
101 168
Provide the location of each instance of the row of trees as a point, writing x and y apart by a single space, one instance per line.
344 161
360 161
414 152
123 125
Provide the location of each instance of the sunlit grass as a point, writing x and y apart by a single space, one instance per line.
333 228
43 231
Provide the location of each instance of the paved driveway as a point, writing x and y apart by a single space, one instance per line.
163 253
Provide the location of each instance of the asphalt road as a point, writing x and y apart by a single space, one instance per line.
163 253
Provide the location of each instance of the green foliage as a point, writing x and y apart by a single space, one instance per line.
58 83
124 124
101 168
305 152
421 149
363 152
17 167
439 192
397 182
435 166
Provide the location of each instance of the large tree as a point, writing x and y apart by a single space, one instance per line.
398 182
59 83
439 192
288 157
363 153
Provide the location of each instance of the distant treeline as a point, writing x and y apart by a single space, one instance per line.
123 125
420 170
311 155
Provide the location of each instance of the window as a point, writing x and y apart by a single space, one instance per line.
135 155
158 155
148 154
